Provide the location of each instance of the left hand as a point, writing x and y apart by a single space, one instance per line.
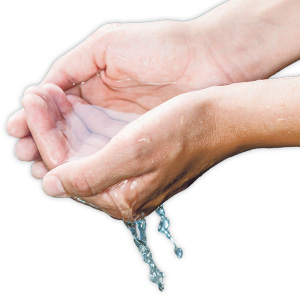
148 161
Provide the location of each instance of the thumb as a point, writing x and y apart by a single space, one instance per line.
92 174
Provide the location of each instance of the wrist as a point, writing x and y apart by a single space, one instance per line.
261 114
243 36
215 128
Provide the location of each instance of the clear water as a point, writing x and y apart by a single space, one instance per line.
163 227
138 231
140 241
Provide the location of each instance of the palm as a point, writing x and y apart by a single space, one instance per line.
131 67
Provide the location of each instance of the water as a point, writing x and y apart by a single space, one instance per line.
140 241
163 227
88 128
138 231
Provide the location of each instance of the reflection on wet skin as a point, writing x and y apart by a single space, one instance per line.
88 128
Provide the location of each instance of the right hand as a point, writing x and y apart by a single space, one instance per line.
124 67
146 162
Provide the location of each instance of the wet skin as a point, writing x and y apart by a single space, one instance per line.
166 149
136 67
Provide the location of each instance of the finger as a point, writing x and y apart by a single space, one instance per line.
65 110
79 64
125 196
75 130
26 149
59 97
122 199
47 97
17 124
50 141
93 174
118 200
38 169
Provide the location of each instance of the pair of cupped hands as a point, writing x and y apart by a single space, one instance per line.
151 70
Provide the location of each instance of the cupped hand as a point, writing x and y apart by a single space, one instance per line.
149 160
130 68
65 127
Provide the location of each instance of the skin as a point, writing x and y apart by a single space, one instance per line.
181 57
182 139
122 182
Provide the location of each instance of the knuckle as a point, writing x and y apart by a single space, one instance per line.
104 29
57 65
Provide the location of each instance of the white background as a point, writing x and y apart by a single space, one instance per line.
239 224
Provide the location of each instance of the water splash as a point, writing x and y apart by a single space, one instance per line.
163 227
140 241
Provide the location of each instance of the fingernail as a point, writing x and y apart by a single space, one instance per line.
53 186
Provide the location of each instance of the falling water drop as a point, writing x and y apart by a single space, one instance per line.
163 227
138 231
140 241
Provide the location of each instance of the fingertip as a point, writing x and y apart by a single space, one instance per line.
52 186
38 169
29 99
51 86
33 104
29 90
26 149
59 97
10 128
17 124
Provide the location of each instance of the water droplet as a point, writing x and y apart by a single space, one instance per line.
146 139
123 185
140 241
133 185
60 125
181 119
115 195
146 61
178 252
163 227
123 80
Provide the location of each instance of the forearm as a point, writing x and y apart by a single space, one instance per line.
249 39
261 114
